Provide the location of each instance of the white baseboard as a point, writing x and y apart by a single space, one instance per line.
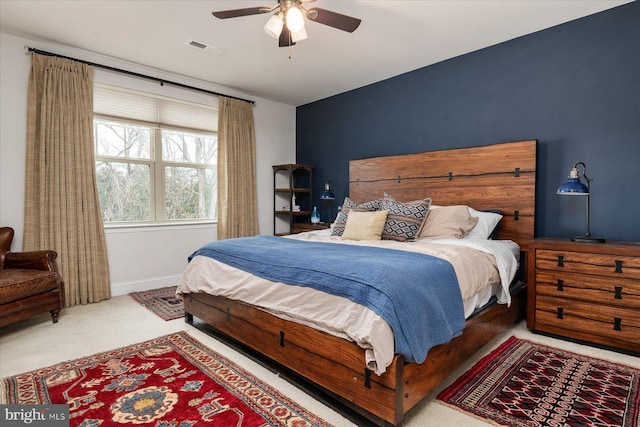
126 288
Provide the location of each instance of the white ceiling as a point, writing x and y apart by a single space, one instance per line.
395 37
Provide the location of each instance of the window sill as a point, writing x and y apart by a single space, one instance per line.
125 228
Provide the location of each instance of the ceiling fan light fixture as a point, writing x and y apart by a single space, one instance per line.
287 24
274 25
297 36
294 19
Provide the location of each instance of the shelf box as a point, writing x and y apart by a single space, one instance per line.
289 181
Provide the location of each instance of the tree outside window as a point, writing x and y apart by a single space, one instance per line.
149 174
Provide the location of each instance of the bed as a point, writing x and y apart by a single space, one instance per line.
498 177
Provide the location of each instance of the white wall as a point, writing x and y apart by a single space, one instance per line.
139 257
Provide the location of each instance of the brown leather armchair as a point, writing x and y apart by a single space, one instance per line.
29 282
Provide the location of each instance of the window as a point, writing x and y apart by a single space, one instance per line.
155 158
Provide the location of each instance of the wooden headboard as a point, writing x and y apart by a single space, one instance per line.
499 176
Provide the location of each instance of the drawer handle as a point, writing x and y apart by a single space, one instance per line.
367 377
617 324
281 339
618 266
618 294
560 285
228 313
560 260
560 313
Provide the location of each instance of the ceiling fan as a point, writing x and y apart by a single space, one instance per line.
287 23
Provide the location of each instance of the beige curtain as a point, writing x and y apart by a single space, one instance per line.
62 209
237 200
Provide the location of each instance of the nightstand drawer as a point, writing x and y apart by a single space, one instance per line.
617 266
596 289
609 325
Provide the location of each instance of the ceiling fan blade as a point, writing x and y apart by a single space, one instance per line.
334 19
285 38
234 13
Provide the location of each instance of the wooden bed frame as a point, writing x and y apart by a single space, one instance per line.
499 176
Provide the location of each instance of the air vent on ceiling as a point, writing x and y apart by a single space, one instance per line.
205 47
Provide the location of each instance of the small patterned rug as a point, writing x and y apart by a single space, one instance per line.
526 384
162 302
171 381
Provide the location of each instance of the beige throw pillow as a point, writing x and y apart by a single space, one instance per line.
364 225
448 222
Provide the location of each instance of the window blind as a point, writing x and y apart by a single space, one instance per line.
153 110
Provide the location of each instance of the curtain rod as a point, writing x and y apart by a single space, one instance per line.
131 73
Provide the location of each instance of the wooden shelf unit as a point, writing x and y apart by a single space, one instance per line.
291 180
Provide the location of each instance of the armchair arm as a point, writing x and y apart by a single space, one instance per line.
35 260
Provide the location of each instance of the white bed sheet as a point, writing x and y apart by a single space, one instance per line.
343 318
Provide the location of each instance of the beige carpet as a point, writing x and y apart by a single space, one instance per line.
85 330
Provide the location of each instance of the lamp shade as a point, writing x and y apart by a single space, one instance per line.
327 193
573 186
274 25
295 19
299 35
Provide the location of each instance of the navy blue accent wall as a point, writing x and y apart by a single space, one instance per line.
574 87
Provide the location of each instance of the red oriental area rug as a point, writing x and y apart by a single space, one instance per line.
162 302
527 384
171 381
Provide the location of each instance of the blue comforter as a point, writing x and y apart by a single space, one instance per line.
417 294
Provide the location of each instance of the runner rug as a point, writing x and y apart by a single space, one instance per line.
162 302
171 381
526 384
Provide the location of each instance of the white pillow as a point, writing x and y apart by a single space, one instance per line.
487 222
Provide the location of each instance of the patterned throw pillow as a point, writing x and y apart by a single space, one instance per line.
405 220
347 205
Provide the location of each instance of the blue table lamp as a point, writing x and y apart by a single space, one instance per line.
574 187
326 199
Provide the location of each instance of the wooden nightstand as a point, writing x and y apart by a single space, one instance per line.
301 227
585 291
